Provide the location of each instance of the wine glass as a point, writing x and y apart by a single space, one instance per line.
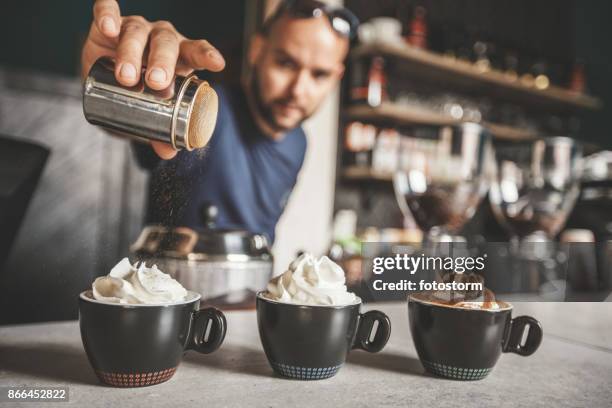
442 179
535 188
536 185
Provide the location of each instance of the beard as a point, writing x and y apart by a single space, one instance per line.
265 109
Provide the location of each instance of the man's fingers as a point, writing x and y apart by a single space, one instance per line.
127 39
183 69
132 43
107 17
200 54
163 150
163 54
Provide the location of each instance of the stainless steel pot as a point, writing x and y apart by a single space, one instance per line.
227 267
592 210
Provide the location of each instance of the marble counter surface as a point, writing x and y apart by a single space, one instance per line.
572 368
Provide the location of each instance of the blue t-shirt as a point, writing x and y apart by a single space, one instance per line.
245 174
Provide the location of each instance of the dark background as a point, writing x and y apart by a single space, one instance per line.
45 35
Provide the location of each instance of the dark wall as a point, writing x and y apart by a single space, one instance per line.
593 34
535 27
45 35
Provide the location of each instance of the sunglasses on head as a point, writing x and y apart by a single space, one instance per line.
342 20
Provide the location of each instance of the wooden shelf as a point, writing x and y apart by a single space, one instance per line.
466 76
407 115
362 173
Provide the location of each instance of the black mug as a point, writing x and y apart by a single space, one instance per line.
135 345
311 342
465 344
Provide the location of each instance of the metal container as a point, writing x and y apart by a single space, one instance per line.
184 114
593 211
227 267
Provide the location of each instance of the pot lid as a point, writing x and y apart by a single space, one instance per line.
209 243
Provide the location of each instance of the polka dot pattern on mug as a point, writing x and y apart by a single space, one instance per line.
457 373
135 379
305 373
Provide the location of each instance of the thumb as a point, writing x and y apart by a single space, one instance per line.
163 150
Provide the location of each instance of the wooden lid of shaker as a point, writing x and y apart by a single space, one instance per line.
203 116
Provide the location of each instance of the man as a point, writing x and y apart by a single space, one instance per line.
251 163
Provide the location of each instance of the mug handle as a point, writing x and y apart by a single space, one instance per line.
364 331
515 335
200 321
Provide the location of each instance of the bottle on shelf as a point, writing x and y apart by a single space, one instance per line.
371 90
535 72
511 65
358 86
578 78
527 77
377 82
539 70
417 29
358 142
481 51
385 157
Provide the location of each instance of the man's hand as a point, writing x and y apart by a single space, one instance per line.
133 42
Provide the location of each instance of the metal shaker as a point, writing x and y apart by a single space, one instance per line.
184 114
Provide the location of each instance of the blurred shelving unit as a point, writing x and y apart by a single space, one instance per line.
460 76
425 87
464 75
405 115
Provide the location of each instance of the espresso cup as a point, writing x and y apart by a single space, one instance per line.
311 342
135 345
465 344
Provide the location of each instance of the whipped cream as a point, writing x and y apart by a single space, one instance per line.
311 281
127 283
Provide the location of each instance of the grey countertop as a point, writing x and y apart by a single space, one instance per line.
572 368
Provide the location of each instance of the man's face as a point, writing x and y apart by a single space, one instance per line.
295 66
